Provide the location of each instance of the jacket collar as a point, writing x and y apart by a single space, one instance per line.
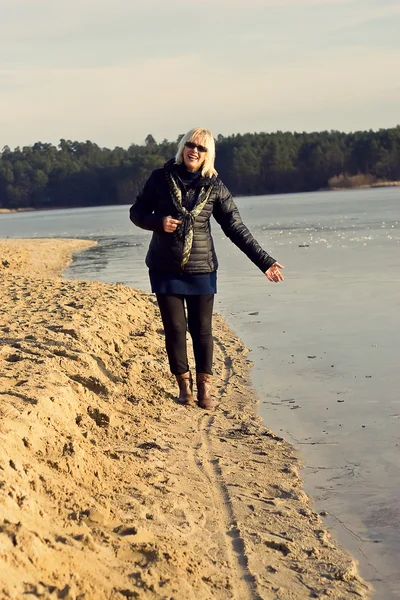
171 166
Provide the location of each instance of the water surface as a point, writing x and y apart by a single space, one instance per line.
324 343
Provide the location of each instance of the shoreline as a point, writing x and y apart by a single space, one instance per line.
6 211
111 489
381 184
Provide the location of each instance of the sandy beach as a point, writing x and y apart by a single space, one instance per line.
109 489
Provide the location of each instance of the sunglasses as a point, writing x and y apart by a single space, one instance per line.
192 146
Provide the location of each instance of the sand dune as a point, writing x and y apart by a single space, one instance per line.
109 489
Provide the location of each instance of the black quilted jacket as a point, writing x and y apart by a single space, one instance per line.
165 250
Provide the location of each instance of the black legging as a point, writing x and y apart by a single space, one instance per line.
199 321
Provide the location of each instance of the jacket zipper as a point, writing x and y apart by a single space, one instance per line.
182 241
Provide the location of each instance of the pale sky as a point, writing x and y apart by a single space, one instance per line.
114 71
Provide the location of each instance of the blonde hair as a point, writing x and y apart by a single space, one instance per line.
204 137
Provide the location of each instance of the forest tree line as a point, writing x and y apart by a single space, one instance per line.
84 174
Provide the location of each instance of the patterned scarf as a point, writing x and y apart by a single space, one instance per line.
185 230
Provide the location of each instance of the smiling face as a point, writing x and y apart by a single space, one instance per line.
193 158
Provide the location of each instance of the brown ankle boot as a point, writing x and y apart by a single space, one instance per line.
185 382
204 381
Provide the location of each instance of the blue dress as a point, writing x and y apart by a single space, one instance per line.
185 284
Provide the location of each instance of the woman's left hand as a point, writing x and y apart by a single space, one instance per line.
274 273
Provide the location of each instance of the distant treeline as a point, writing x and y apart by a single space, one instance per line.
83 174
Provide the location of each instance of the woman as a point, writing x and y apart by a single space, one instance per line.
176 204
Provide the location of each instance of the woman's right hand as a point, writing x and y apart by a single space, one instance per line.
170 224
